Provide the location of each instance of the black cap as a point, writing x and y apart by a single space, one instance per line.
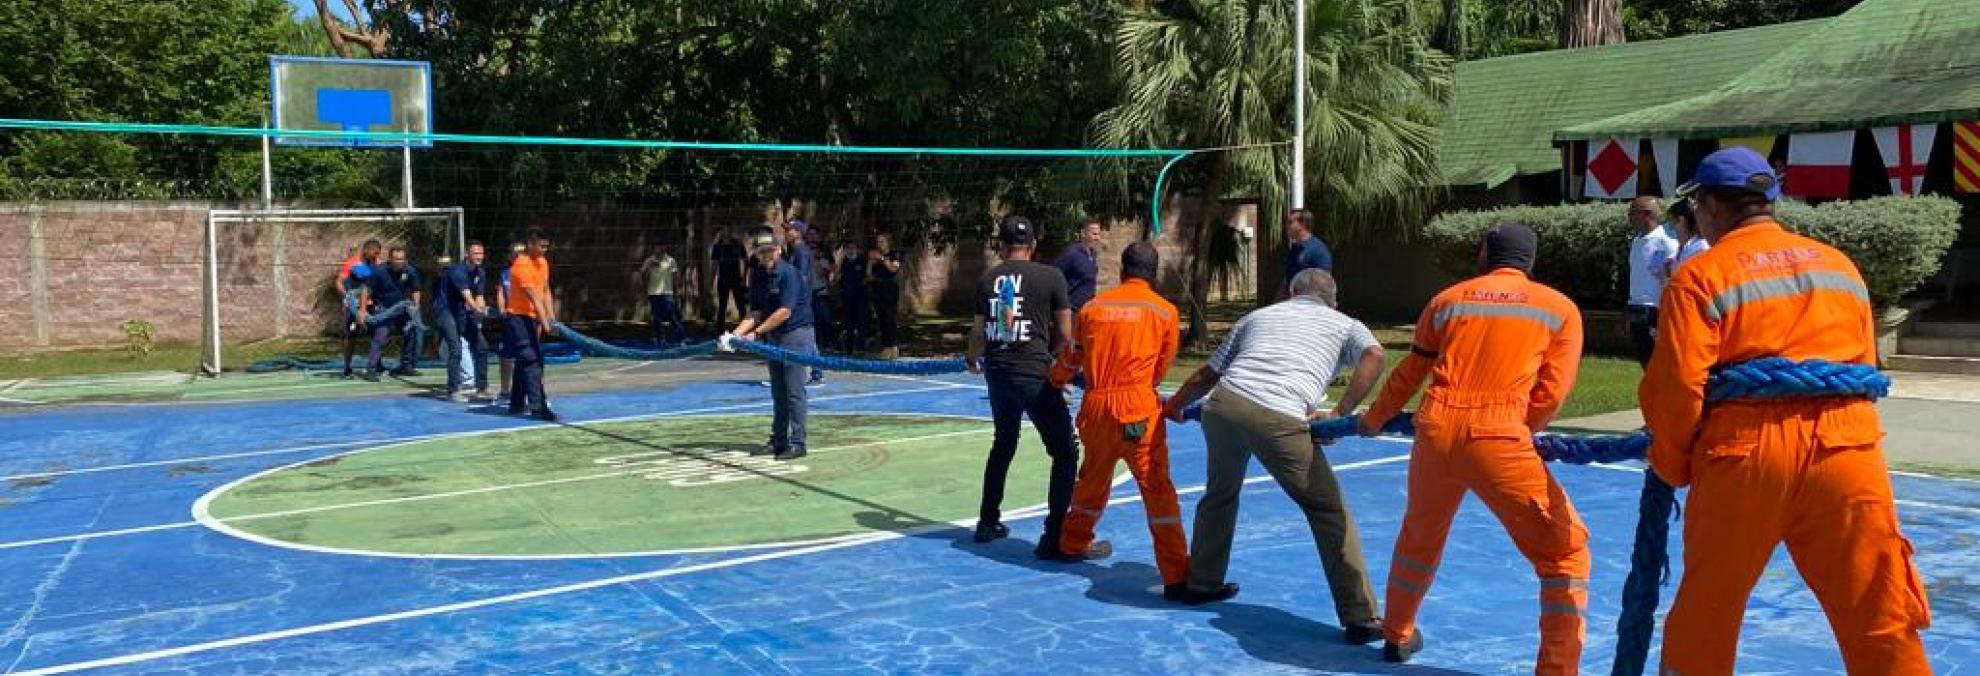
1015 230
1140 261
1510 244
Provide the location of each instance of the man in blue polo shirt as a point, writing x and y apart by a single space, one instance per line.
389 285
780 315
1305 251
1080 263
459 308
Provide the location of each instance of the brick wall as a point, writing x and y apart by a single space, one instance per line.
96 265
91 266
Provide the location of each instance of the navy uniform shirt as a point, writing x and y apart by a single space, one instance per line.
1081 267
457 278
1312 253
786 289
390 285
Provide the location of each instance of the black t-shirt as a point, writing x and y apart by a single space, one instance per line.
1018 301
728 257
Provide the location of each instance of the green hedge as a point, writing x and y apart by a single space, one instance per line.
1584 248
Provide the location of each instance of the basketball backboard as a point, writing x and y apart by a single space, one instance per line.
367 95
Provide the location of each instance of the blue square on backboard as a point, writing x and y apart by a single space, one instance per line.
354 109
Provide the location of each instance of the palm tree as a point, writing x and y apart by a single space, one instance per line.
1218 74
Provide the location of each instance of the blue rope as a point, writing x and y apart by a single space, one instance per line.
1650 564
900 367
598 348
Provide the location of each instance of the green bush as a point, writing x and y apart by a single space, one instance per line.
1584 248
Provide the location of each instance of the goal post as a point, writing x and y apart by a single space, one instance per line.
269 267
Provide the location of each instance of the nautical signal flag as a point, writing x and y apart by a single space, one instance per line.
1966 157
1818 164
1905 149
1611 169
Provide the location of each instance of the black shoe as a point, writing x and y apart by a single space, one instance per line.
348 374
1362 634
989 531
1100 549
545 415
1183 594
372 376
1401 653
406 372
767 449
791 453
518 410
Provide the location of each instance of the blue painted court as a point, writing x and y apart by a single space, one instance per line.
109 567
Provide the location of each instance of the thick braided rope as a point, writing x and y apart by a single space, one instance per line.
598 348
901 367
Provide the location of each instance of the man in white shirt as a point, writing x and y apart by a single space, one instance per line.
1650 257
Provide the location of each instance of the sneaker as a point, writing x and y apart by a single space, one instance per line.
545 415
502 396
767 449
789 454
348 374
484 397
517 410
406 372
1183 594
986 532
458 397
817 379
1392 652
372 376
1363 634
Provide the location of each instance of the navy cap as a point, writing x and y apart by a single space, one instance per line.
1015 230
796 224
1738 169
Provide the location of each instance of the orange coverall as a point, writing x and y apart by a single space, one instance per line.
1809 471
1502 352
1125 342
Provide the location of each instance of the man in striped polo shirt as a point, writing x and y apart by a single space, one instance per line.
1270 380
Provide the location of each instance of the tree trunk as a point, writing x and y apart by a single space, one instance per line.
1587 23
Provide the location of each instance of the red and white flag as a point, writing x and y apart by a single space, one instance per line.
1818 164
1611 169
1906 148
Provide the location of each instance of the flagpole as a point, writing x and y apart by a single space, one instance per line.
1299 106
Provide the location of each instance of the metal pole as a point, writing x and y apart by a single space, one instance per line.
1299 106
267 176
406 165
213 365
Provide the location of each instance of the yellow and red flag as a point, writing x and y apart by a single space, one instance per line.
1966 157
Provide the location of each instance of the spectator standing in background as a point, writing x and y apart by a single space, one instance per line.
1650 256
1080 263
730 284
883 270
658 272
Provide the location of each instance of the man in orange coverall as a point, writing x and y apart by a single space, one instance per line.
1807 471
1125 341
1501 351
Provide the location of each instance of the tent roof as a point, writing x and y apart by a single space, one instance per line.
1507 109
1882 63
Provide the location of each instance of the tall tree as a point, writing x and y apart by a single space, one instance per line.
1218 74
1588 23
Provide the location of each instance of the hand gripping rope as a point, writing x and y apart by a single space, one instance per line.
1769 378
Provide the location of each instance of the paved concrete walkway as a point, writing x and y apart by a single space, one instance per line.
1931 422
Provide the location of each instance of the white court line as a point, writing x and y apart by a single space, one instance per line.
571 588
16 385
438 435
1939 506
627 367
202 517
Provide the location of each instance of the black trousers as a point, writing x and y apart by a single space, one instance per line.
1642 331
527 349
1012 398
887 310
726 289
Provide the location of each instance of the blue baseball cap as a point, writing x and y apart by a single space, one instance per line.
1737 169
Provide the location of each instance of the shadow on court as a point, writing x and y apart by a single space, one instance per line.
1264 632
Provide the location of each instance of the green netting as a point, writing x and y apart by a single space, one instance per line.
1885 62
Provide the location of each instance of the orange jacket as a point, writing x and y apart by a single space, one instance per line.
1496 340
1125 341
1760 291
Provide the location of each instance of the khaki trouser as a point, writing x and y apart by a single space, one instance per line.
1237 429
